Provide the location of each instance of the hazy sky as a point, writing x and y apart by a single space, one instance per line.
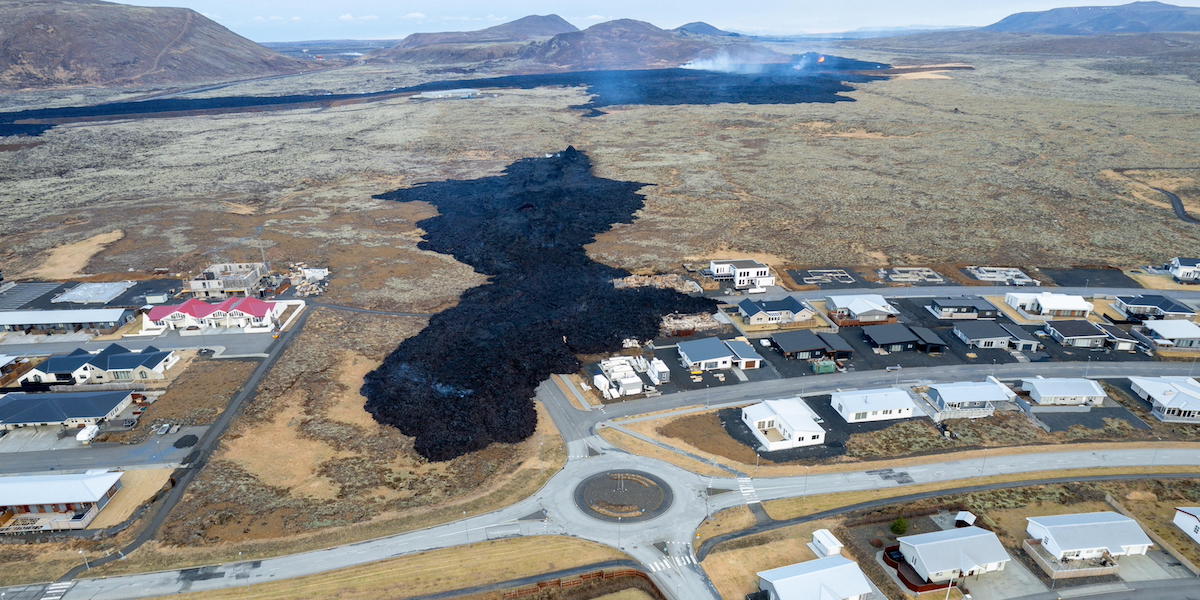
284 20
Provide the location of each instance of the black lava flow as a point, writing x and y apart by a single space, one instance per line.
802 81
468 379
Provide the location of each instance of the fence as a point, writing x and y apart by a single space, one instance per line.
1056 569
576 581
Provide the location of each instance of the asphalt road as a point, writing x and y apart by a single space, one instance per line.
964 290
159 450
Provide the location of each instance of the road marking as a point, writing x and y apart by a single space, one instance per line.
56 591
746 486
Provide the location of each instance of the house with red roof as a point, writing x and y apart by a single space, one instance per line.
245 312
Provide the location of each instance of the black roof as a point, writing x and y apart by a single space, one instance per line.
886 335
1077 328
1117 333
836 342
1158 301
22 407
982 330
1019 332
976 303
928 337
798 341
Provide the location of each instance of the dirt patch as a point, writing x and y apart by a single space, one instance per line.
69 260
137 488
705 432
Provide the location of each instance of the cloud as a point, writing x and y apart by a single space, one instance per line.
598 18
349 18
276 19
414 16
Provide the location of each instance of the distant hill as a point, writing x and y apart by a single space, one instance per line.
87 42
630 44
702 28
1181 46
523 29
1137 17
620 44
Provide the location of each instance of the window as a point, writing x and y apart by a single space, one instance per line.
887 411
860 416
816 437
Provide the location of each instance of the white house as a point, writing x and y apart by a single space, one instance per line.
861 308
31 503
1089 535
112 364
1064 390
1185 269
71 409
765 312
1175 333
86 319
829 578
1049 305
969 399
882 404
235 312
824 543
710 354
783 424
745 274
1153 306
225 280
953 553
1187 518
1172 398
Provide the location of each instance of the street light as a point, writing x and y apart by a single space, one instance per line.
86 563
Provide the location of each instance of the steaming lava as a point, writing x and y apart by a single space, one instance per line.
809 78
468 378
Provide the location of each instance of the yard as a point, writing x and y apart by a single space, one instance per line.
196 397
732 566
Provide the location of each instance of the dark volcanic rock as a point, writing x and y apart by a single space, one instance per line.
467 379
805 80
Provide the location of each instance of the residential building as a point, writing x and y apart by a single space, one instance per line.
783 424
246 313
745 274
963 307
969 399
99 320
882 404
1184 335
71 409
808 345
1049 305
860 309
710 354
946 555
1117 338
767 312
1187 518
1077 334
744 355
1186 270
898 337
1066 391
828 578
114 363
226 280
1152 306
1172 398
982 334
33 503
1021 339
1088 535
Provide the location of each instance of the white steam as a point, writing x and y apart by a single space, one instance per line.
724 62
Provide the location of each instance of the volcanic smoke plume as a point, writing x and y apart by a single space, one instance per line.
468 378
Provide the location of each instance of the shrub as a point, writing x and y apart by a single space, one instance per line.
899 526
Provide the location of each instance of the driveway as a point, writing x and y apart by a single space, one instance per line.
32 439
1155 565
1014 581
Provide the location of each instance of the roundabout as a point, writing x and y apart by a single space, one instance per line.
623 495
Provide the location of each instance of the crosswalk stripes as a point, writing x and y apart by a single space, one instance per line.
746 486
55 591
672 562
